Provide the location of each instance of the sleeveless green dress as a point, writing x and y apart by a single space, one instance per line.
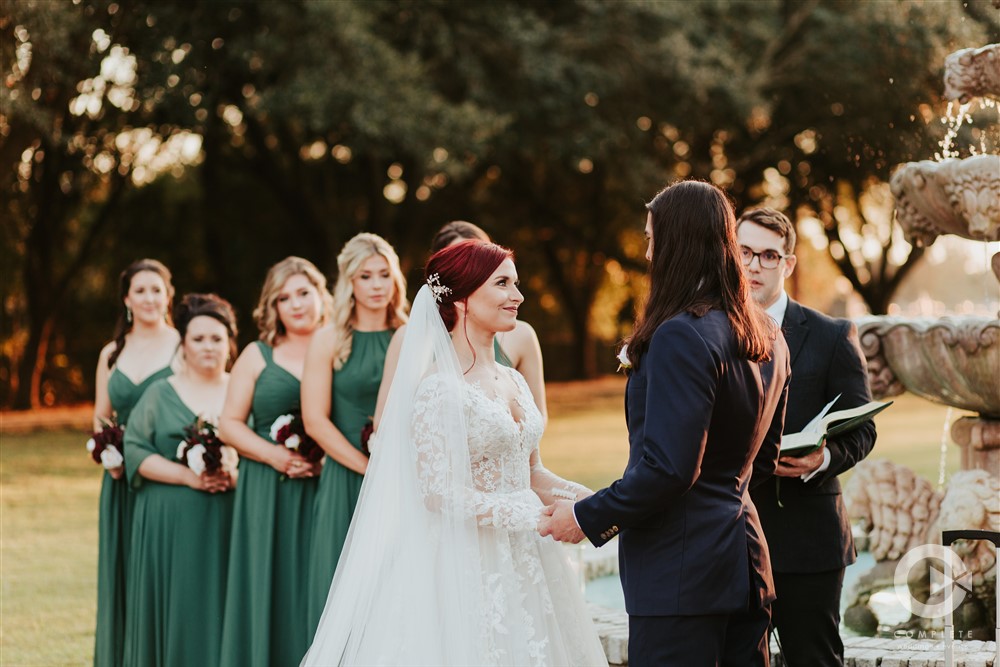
114 532
176 586
265 622
500 355
355 391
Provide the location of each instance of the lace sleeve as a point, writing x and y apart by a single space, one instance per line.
444 478
550 486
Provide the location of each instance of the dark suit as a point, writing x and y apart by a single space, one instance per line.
809 534
691 542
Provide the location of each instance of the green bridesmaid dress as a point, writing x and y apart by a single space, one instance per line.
114 530
266 597
355 391
176 586
500 355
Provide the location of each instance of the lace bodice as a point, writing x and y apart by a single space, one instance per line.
499 448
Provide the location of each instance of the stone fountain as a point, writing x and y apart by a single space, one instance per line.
953 361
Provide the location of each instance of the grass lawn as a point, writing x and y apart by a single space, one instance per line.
49 491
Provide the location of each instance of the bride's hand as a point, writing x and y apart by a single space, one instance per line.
558 521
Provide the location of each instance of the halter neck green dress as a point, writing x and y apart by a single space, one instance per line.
114 531
355 391
266 597
180 547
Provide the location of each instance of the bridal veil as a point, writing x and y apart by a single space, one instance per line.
407 590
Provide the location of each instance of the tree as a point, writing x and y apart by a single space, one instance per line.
63 171
844 93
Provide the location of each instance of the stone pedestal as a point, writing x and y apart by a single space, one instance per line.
979 439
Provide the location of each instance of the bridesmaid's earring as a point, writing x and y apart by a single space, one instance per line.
128 314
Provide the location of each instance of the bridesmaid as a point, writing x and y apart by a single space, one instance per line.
180 536
340 384
265 621
145 343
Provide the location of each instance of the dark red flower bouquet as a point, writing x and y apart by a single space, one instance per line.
290 431
203 451
366 433
107 445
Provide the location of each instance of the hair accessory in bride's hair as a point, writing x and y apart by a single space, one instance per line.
437 289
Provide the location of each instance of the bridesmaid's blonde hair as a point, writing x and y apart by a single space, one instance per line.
266 312
349 261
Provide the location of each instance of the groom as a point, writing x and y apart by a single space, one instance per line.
694 564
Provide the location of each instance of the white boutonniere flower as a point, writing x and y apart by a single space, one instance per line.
623 361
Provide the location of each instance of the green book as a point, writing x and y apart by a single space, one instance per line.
828 424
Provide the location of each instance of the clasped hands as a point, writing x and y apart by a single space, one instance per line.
559 521
293 465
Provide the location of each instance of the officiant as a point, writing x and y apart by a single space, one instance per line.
805 522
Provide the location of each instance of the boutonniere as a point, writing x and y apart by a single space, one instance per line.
623 361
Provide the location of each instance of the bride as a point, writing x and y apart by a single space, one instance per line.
443 564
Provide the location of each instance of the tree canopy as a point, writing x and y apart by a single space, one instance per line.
220 137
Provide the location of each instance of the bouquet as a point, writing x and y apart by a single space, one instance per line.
106 446
366 433
203 451
290 431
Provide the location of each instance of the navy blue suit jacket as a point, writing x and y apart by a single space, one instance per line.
810 530
697 414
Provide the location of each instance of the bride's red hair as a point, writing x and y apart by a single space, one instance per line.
463 268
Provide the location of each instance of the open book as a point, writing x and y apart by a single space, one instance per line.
827 424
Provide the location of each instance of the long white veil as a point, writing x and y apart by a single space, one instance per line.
407 588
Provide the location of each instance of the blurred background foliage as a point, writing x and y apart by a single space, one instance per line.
220 137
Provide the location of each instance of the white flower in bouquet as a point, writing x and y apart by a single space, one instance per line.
230 459
279 423
180 450
293 441
623 360
91 444
111 457
196 459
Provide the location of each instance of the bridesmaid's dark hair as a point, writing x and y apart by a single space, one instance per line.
457 230
124 324
696 267
207 305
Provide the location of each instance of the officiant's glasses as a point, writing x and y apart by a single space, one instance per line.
768 259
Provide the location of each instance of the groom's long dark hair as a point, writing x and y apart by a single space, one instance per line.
696 267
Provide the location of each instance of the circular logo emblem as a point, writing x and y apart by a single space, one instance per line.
947 570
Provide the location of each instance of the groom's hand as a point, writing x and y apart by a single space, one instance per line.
558 521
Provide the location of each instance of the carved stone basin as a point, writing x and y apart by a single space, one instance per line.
952 360
960 197
972 73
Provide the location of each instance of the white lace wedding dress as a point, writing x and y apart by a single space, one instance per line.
443 565
534 613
